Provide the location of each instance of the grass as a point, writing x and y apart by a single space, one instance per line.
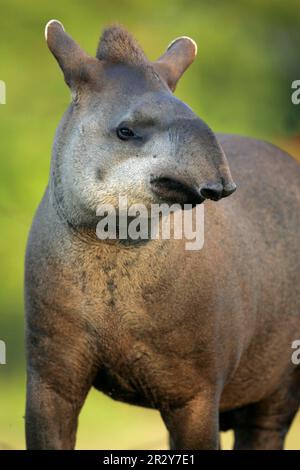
103 424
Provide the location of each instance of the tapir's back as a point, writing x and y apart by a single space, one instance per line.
268 181
258 229
250 265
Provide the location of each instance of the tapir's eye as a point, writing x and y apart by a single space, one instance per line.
124 133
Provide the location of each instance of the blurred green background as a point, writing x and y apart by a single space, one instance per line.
249 54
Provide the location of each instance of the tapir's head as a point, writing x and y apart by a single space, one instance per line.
125 132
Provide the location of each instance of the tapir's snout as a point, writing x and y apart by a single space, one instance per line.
174 190
181 191
195 168
216 191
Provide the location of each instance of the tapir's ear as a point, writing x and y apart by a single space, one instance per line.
177 58
74 62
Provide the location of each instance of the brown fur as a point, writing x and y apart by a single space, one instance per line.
118 46
204 337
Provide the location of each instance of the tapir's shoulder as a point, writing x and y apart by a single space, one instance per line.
258 154
268 186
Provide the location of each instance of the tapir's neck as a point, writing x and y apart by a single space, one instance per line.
86 234
65 197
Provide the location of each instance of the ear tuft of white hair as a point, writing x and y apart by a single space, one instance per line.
51 22
188 39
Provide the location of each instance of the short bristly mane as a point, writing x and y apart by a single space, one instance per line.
117 45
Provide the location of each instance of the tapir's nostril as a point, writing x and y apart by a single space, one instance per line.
228 189
212 191
216 191
172 189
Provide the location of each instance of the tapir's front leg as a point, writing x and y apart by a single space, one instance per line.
61 367
194 426
51 419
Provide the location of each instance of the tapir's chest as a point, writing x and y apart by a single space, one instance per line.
144 341
139 364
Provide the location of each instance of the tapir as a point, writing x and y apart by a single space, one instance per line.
203 336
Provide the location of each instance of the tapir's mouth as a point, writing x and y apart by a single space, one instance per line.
172 191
